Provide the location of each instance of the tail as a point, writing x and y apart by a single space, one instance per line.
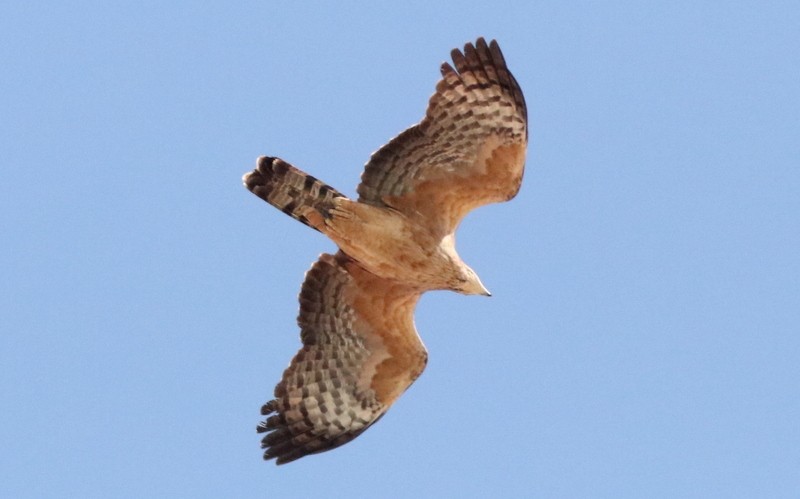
292 191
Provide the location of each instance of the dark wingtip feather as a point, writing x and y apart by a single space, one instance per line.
446 69
459 60
269 407
497 54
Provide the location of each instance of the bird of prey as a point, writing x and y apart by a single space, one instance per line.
360 350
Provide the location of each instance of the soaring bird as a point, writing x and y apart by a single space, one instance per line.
360 350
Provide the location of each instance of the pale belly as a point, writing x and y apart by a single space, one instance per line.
387 244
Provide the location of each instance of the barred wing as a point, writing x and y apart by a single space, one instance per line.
360 352
468 151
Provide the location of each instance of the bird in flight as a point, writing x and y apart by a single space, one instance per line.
360 350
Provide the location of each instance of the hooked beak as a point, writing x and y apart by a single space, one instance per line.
482 290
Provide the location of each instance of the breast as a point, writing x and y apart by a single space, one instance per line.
388 244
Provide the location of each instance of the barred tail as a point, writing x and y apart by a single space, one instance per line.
292 191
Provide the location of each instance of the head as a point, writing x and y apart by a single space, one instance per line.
469 283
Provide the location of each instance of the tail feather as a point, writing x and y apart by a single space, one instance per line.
292 191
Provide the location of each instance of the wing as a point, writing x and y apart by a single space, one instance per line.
468 151
360 352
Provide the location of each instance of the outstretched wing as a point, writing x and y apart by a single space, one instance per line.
360 352
468 151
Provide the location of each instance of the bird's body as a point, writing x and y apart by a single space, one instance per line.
392 246
383 240
360 347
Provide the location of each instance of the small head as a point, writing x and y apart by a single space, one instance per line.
468 283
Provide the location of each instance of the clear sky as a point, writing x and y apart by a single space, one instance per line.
643 339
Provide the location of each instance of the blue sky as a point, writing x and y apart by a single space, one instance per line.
643 337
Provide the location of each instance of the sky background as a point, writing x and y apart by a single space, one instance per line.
643 339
